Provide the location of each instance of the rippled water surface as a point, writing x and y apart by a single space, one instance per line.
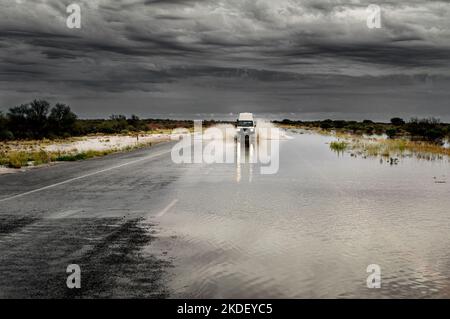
311 229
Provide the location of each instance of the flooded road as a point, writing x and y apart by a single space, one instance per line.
140 225
310 230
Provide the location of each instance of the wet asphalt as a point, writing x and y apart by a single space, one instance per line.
94 213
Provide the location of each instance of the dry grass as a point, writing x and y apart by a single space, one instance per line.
393 148
357 144
17 154
18 159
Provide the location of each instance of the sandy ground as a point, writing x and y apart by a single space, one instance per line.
6 170
106 142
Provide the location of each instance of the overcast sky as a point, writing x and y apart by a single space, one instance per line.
292 58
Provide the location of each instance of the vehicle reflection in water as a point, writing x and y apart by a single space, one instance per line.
245 155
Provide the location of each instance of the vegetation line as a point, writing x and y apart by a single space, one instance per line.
427 129
26 130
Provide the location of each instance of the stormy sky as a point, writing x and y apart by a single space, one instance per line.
303 59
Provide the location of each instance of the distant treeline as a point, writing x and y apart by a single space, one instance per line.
37 120
428 129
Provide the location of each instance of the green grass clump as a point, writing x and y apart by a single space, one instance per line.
338 146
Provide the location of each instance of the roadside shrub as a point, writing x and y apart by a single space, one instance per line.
17 159
40 157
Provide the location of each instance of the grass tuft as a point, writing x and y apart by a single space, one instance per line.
338 146
17 154
390 147
41 157
17 159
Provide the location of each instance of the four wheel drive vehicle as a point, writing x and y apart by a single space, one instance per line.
245 124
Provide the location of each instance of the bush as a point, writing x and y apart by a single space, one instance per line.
434 134
17 159
6 135
369 130
40 157
355 127
397 121
32 120
62 120
392 132
428 129
3 127
327 124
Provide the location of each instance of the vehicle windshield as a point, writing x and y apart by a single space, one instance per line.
245 123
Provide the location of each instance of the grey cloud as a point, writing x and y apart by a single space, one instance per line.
271 56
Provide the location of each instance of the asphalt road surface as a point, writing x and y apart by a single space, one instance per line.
92 213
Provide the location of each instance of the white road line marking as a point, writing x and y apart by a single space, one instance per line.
165 210
64 214
84 176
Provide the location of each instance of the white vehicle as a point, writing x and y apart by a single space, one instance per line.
245 124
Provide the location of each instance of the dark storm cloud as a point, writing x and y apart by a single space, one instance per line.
188 56
383 54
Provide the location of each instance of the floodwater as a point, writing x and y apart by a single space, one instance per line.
311 229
